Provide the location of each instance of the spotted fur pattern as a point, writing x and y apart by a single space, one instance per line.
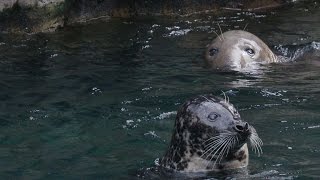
187 142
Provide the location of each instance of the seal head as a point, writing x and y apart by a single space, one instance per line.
238 50
209 135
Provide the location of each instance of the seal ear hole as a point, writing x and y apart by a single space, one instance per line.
250 51
213 51
213 116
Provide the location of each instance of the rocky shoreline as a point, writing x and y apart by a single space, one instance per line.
32 16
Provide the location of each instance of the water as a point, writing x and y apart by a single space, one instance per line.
99 101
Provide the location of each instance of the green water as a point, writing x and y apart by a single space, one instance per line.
99 101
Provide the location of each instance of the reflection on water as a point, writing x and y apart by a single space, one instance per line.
99 101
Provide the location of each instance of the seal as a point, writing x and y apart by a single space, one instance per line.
209 135
238 50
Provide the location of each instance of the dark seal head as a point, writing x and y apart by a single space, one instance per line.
238 50
209 135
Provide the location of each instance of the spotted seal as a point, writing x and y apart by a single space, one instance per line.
209 135
238 50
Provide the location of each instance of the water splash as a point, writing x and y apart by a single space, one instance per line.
166 115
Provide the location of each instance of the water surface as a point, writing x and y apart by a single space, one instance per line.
99 101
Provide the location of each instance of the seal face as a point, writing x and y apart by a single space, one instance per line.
209 135
238 50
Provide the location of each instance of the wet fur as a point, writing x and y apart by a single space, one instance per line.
191 135
231 53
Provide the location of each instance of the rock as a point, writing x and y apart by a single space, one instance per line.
27 3
47 15
31 16
6 4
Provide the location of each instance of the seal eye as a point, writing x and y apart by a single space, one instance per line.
250 51
213 116
213 51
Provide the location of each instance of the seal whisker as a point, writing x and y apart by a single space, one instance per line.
225 97
220 30
222 151
217 35
212 138
219 136
231 144
237 139
261 143
255 136
224 144
259 150
215 138
205 98
213 147
254 147
255 141
209 141
213 143
213 153
217 147
245 26
258 139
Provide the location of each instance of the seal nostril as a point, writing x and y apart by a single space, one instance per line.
239 128
243 127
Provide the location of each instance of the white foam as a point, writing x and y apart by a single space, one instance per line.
53 55
267 93
166 115
171 28
147 88
313 127
152 133
177 33
316 45
95 90
145 47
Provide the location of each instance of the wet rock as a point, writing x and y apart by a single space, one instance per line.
48 15
7 4
31 15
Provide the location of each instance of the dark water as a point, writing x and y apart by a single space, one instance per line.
99 101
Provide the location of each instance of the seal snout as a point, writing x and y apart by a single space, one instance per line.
242 127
